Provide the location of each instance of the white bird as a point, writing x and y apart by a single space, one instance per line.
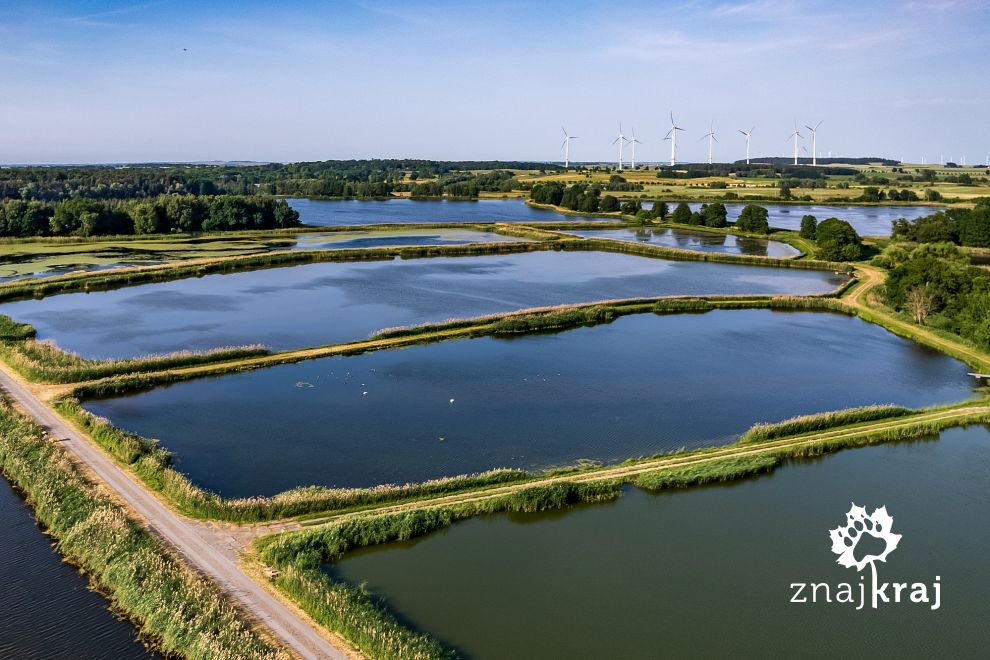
451 400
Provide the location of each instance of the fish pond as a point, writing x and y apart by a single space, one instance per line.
49 258
707 572
323 303
49 611
867 220
642 385
329 212
695 240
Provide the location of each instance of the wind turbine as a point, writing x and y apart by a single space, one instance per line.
814 143
711 137
621 140
672 136
747 141
796 135
633 142
566 146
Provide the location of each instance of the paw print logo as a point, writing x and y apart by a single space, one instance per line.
845 539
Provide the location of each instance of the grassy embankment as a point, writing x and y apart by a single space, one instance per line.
182 613
298 557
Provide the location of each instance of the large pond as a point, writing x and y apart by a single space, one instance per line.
324 303
48 259
868 220
48 609
328 212
696 240
707 572
641 385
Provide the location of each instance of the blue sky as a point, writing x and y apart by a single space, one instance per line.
110 82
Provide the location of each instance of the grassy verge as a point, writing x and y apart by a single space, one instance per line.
184 614
299 557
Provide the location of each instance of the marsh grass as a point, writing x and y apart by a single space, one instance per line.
821 421
43 361
186 615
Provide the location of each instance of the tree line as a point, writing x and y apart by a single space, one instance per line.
967 227
162 214
349 178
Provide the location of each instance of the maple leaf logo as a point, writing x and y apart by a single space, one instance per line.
845 539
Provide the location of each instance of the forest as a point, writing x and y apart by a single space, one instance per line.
347 178
158 215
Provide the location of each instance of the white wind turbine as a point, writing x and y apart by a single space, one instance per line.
621 140
814 143
711 137
672 136
633 142
566 146
747 134
796 135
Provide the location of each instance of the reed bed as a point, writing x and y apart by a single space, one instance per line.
821 421
184 614
43 361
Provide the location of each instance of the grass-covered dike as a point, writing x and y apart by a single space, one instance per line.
181 613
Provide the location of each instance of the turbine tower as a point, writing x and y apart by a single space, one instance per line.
566 146
796 135
814 143
672 136
711 137
747 134
633 142
621 140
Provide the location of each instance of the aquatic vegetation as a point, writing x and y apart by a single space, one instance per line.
185 614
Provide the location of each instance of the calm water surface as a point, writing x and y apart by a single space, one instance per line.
698 241
317 304
705 573
48 610
50 260
328 212
868 220
641 385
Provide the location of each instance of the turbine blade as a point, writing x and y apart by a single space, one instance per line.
752 129
563 144
565 132
668 134
714 138
743 132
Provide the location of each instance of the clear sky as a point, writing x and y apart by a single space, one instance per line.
112 81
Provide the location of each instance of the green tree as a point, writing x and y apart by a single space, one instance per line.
809 227
659 211
715 215
681 214
754 219
609 204
974 227
838 241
